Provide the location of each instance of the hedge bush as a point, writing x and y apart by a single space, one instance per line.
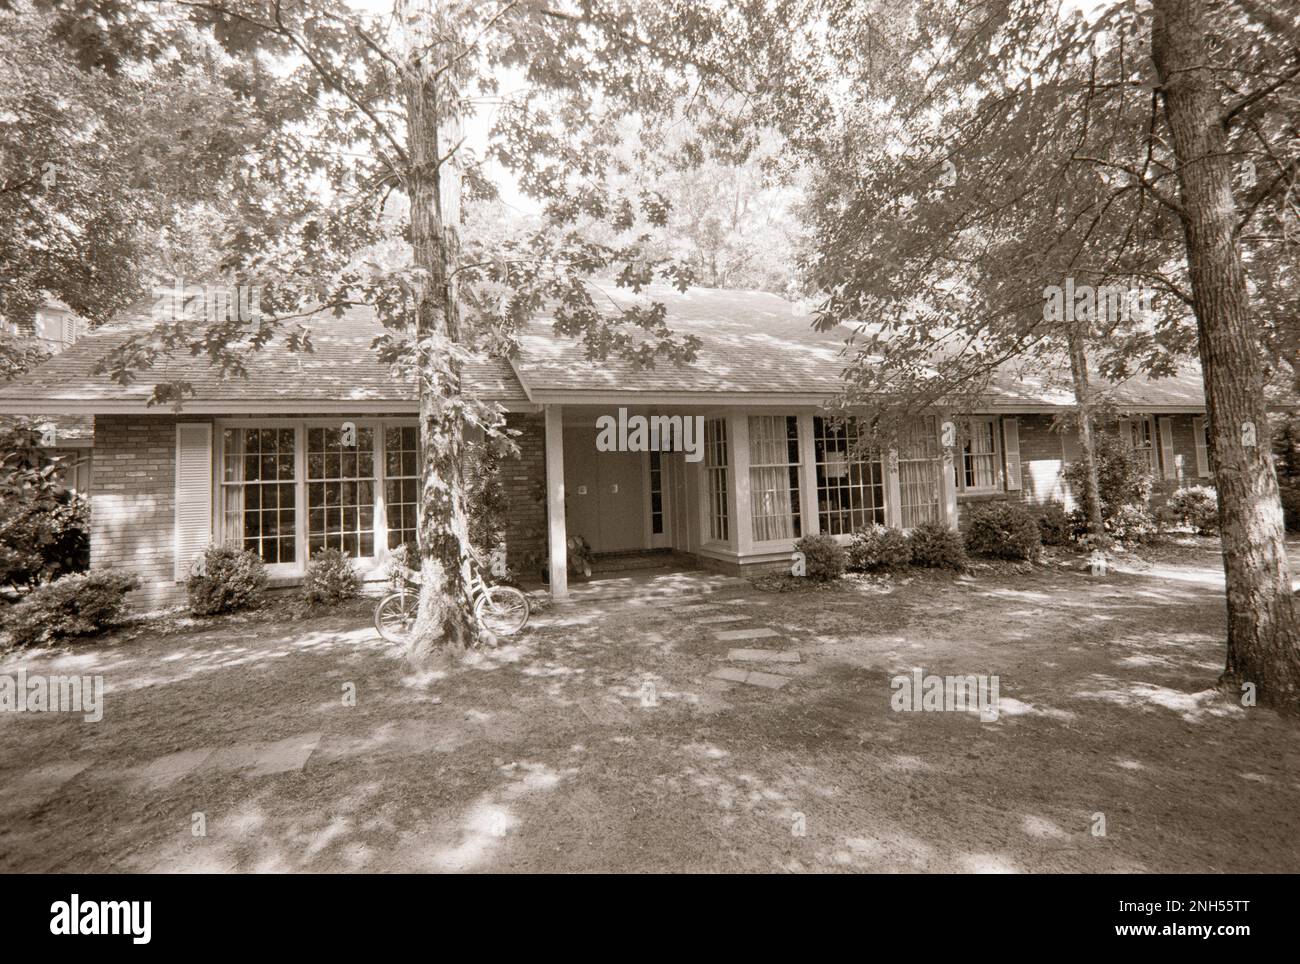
1196 506
330 578
936 546
1054 524
81 604
824 558
879 548
1004 530
225 578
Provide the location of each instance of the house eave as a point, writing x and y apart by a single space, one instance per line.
68 406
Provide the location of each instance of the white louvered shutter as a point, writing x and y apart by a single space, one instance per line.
1202 452
1167 448
193 494
1011 446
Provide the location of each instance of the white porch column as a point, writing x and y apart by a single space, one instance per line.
893 490
948 479
808 477
559 555
738 440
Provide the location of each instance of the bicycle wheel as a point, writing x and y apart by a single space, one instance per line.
502 609
395 615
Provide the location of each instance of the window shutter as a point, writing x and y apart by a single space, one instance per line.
1071 447
193 494
1126 433
1011 446
1202 453
1167 448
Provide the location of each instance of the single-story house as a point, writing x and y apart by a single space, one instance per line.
321 449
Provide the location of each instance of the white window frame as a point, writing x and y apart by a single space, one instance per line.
718 519
300 482
1135 426
925 430
852 433
796 514
995 456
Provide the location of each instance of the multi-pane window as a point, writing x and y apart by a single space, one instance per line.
774 476
1142 437
258 486
715 477
341 490
919 461
978 467
401 483
850 481
656 494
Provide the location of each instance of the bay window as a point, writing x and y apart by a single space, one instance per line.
850 481
774 477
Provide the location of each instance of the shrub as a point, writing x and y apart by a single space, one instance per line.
1196 506
1054 525
1004 530
879 548
330 578
81 604
226 578
44 526
824 557
935 545
1124 481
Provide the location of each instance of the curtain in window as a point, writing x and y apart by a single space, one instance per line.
773 476
918 473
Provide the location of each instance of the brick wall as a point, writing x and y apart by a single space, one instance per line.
133 513
1042 462
524 480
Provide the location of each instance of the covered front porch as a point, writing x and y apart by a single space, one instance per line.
732 487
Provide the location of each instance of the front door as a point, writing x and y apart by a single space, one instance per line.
604 493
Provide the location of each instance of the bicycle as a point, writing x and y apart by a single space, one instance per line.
502 610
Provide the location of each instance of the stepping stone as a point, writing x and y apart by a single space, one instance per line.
709 620
168 769
766 680
284 755
38 785
730 634
699 608
761 656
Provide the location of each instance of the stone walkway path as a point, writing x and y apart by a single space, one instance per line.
708 615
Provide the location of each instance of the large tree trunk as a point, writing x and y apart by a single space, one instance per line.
446 615
1087 442
1262 637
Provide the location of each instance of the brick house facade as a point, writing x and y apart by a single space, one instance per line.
321 449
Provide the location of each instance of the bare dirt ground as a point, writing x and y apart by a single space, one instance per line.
542 755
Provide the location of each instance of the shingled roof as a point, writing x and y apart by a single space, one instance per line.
755 347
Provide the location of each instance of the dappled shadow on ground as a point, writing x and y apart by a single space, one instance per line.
597 740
